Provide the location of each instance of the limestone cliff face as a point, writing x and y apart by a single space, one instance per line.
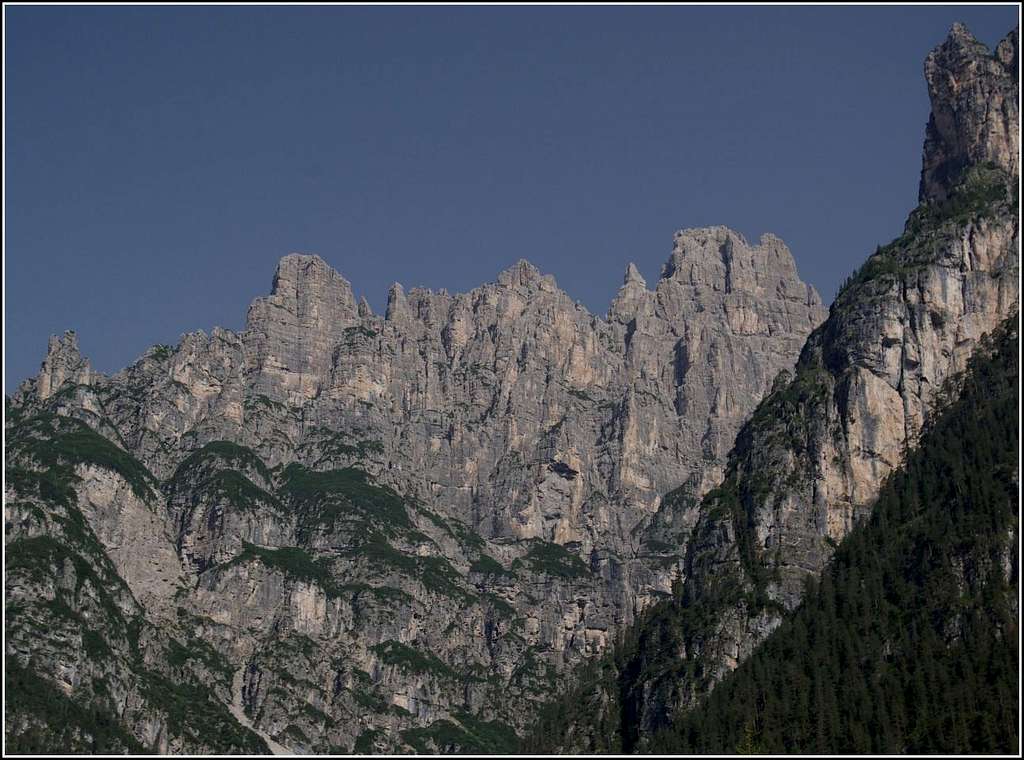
814 454
975 115
291 335
401 531
98 657
483 401
63 364
721 308
870 376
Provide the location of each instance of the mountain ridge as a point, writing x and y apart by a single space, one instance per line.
512 443
404 531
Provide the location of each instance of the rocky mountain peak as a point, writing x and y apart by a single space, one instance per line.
961 39
63 363
398 304
1007 50
300 275
294 330
720 259
526 275
631 298
633 276
975 110
66 345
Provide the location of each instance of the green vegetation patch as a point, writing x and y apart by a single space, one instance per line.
500 606
466 535
192 711
195 650
410 660
238 490
387 594
323 498
299 564
259 400
38 557
41 719
981 193
485 564
61 443
340 445
470 736
365 741
435 573
53 486
358 333
292 562
554 560
235 456
161 352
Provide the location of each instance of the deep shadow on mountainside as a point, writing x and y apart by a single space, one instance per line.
338 532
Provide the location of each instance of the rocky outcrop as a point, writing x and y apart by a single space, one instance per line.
975 117
870 377
291 334
63 364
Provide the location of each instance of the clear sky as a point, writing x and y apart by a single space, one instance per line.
160 160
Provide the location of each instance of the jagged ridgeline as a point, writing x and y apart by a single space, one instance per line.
809 464
353 532
340 532
336 531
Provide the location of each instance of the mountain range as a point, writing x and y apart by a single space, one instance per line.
493 521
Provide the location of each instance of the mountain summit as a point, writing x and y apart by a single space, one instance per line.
975 118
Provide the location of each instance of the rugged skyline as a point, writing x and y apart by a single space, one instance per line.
493 520
418 147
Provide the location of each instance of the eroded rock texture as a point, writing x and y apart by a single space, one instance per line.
400 532
975 115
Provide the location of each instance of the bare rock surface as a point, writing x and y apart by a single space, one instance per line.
975 96
384 530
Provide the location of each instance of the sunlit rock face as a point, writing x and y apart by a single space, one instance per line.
357 513
975 115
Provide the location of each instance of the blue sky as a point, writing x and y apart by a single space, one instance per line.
160 160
